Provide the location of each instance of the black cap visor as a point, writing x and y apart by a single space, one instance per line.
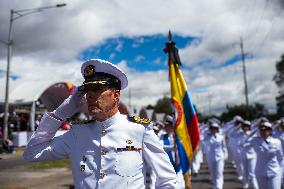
263 128
100 80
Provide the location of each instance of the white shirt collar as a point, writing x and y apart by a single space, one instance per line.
110 121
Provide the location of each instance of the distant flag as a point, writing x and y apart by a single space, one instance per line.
70 87
186 127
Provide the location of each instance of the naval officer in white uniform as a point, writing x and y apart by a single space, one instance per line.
216 154
248 155
110 151
270 160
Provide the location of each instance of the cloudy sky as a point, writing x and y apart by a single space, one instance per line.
51 45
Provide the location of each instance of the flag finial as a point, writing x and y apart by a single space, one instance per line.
170 35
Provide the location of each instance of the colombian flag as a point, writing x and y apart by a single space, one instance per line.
186 127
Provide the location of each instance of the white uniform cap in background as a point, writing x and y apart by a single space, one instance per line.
263 119
158 122
169 119
267 124
246 122
214 120
90 68
215 125
238 118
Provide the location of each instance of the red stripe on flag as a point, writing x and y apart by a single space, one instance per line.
194 132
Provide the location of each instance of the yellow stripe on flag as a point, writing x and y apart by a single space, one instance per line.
178 89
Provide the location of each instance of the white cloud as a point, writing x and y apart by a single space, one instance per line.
139 58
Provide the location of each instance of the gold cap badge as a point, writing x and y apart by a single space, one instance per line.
89 71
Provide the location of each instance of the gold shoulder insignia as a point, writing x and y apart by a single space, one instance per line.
80 122
138 119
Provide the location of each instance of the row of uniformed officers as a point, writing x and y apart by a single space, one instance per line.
254 148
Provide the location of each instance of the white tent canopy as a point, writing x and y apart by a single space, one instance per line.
26 95
50 93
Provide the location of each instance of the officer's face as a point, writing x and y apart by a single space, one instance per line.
169 128
214 130
265 133
102 102
237 123
245 128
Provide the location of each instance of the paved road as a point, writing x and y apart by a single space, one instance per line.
15 173
201 181
9 161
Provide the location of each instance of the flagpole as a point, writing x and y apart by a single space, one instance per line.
173 55
167 50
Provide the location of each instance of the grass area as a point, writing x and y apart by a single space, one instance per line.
65 163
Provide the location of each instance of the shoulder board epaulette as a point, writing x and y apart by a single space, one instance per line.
138 119
80 122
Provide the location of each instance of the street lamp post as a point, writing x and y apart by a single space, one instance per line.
244 70
16 14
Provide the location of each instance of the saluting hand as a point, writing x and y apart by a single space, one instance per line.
73 104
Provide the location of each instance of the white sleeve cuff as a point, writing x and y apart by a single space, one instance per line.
49 124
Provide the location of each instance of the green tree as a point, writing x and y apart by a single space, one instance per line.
279 80
279 76
150 107
247 112
164 106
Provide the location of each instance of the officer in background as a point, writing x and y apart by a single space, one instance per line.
110 151
270 160
168 139
196 162
248 155
280 136
157 127
216 154
233 132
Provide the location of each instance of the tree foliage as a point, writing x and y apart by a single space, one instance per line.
247 112
279 80
164 106
279 76
150 107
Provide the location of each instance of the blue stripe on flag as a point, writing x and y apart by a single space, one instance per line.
184 162
189 110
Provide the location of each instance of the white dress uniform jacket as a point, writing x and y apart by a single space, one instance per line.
280 136
216 147
248 155
108 154
233 136
247 151
269 156
269 162
216 153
